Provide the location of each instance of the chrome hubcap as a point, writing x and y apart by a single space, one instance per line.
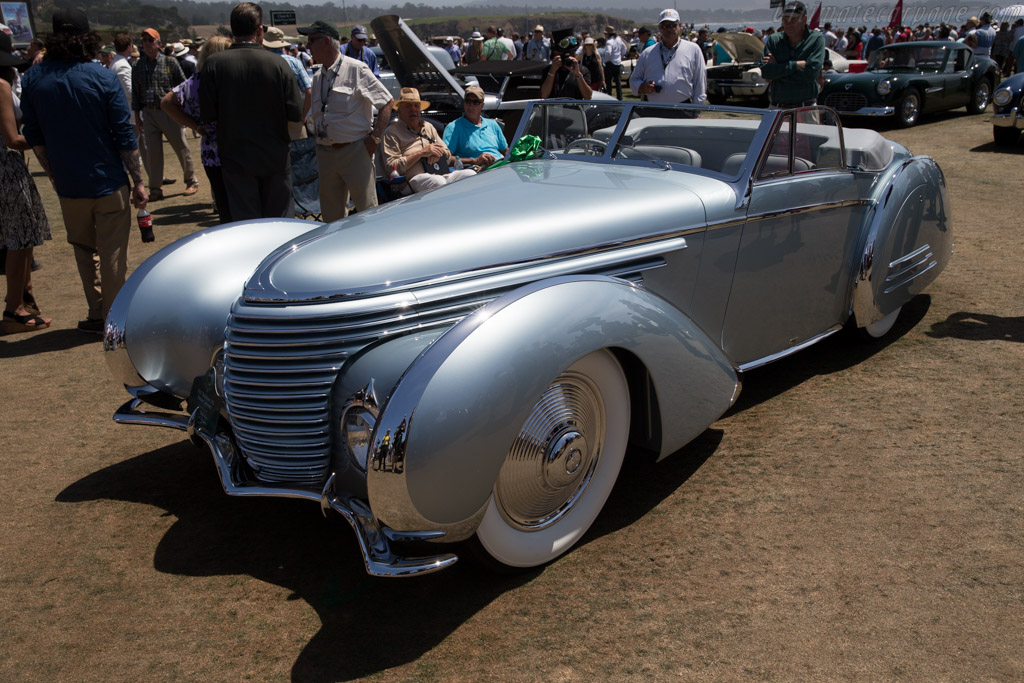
910 109
554 456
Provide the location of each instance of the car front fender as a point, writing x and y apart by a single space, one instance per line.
443 434
168 319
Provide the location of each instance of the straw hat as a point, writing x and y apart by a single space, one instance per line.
412 96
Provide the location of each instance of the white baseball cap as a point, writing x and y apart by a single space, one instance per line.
669 15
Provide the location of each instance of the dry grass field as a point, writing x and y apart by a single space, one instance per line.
857 515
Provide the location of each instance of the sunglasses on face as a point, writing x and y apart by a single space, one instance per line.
473 100
668 25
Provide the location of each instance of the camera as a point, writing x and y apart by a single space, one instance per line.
657 87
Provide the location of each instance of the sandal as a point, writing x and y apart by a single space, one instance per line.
23 323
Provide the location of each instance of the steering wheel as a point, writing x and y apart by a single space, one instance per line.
589 145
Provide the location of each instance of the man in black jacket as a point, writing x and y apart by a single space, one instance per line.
251 95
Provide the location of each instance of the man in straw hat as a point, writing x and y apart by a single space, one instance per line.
345 95
413 147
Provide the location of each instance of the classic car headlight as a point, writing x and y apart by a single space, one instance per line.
1002 97
357 424
884 87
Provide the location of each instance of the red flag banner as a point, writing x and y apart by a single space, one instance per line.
897 15
817 17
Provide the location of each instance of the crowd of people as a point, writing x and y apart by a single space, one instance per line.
249 97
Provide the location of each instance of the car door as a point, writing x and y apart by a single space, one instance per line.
793 267
956 79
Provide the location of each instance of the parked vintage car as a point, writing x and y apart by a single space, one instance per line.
1007 120
469 364
906 80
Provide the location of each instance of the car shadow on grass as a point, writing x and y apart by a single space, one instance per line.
369 625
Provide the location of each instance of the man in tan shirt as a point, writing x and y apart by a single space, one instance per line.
415 149
345 95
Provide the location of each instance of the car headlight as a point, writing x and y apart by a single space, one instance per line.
1002 97
357 424
884 87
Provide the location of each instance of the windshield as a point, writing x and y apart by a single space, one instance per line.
667 136
908 58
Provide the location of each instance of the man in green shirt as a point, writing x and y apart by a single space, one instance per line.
493 47
792 60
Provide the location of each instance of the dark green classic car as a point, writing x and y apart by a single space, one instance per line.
906 80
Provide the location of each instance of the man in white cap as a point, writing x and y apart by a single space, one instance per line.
672 70
413 147
277 42
538 49
793 58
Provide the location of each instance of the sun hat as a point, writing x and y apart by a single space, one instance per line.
588 41
108 49
538 27
178 50
412 96
320 27
273 39
476 36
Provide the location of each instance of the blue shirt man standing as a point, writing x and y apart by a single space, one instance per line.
86 155
356 49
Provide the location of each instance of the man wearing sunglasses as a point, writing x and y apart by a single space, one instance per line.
475 140
672 70
356 49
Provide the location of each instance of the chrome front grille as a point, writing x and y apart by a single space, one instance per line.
846 101
280 365
281 361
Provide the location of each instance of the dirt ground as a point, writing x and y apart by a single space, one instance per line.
857 515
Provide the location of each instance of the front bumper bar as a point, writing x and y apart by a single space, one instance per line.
1011 119
375 541
869 111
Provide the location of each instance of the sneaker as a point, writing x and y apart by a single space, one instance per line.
191 190
156 194
169 181
91 325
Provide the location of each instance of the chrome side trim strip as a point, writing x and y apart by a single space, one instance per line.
912 255
791 350
130 414
916 275
807 208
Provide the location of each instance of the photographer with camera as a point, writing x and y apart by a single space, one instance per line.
672 70
566 77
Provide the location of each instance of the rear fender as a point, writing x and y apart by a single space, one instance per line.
908 243
443 434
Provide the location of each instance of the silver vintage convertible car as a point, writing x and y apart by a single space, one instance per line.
470 364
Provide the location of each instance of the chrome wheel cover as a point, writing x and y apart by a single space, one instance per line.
981 96
911 108
554 456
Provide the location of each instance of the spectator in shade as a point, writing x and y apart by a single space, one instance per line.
182 105
180 53
591 60
86 156
538 48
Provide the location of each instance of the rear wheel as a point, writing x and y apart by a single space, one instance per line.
980 98
908 111
1005 136
561 468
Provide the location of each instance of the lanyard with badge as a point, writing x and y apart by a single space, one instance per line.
321 126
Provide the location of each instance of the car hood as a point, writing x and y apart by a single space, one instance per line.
742 47
861 81
512 215
411 61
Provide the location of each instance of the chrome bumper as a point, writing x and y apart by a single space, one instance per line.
870 111
1011 119
374 540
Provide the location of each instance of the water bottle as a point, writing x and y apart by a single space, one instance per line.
458 163
395 176
145 220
